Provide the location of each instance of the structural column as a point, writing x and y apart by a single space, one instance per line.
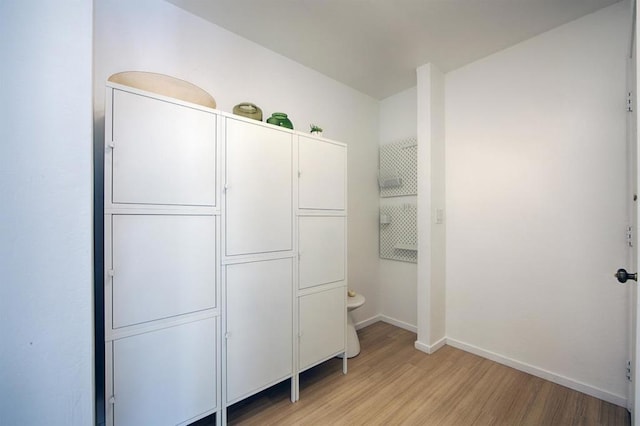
431 290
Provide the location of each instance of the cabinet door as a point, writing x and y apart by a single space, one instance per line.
163 266
259 199
165 377
259 325
163 153
322 326
321 245
322 183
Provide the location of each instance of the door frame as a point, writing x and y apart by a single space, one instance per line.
633 403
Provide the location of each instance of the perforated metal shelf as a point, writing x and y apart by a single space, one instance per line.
399 237
399 160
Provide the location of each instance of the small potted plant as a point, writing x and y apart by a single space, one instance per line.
317 130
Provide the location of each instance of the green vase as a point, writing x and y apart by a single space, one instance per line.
280 119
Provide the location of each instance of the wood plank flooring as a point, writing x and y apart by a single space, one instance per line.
392 383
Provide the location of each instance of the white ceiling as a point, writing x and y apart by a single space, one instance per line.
375 46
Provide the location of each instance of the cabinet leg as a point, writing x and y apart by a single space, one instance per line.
295 388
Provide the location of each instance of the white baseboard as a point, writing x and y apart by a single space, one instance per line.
368 322
398 323
421 346
388 320
539 372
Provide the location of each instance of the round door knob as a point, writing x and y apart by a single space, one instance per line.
622 276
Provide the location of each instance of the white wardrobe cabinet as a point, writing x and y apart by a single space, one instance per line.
258 189
259 319
225 257
162 260
322 237
322 168
163 152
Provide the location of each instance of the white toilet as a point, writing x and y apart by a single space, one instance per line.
353 344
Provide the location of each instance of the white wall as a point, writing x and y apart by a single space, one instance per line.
157 36
398 279
46 300
536 204
398 118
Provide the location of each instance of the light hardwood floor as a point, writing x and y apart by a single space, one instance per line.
392 383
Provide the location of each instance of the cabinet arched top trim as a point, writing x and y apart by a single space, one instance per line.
164 85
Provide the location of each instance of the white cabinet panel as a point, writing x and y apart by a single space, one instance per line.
322 325
163 153
322 246
163 266
259 325
259 191
165 377
322 174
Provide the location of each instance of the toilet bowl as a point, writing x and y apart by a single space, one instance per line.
353 344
